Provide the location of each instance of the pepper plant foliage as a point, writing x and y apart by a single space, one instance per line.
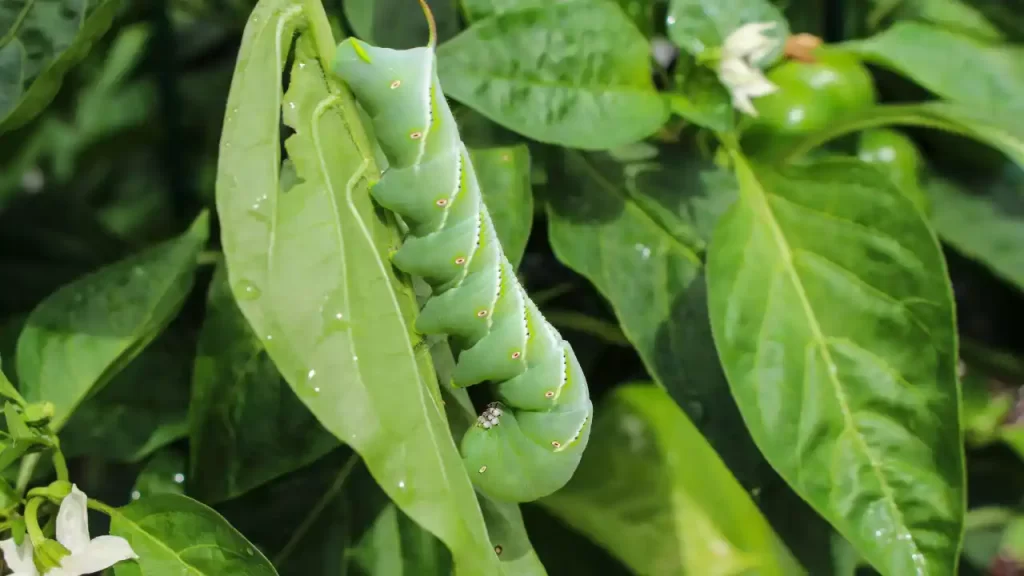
783 238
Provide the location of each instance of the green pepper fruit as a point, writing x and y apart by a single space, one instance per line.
896 155
813 94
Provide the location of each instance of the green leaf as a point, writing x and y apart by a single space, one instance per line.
575 73
247 426
310 271
164 474
400 24
653 492
952 15
987 229
81 336
634 229
504 175
480 9
833 316
43 40
144 408
697 26
395 545
981 75
173 534
1004 133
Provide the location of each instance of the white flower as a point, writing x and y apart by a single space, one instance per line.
86 555
737 70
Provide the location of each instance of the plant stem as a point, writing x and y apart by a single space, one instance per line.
32 520
60 465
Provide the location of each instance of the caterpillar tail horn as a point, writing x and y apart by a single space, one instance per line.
527 444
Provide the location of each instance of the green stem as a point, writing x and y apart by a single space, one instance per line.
579 322
60 465
208 257
32 520
101 507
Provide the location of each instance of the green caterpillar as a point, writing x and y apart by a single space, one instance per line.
519 454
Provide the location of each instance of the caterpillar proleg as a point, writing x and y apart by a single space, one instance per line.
529 443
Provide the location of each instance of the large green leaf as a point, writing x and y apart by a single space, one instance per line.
653 492
834 319
42 40
982 75
80 337
987 229
310 271
175 535
247 426
144 408
479 9
701 25
504 175
575 73
634 229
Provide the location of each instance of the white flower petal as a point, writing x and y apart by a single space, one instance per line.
749 39
101 553
19 558
73 521
58 571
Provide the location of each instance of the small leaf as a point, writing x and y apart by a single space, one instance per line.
42 41
981 75
504 176
80 337
653 492
575 73
833 316
247 426
700 25
173 534
634 229
144 408
309 271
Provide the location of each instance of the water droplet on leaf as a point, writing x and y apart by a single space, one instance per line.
248 291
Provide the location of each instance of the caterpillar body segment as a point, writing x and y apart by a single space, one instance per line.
529 443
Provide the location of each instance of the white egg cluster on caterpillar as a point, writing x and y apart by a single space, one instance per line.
529 444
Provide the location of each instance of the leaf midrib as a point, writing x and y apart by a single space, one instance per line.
759 203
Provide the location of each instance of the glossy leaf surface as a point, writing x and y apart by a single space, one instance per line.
175 535
574 73
635 231
80 337
655 493
833 316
